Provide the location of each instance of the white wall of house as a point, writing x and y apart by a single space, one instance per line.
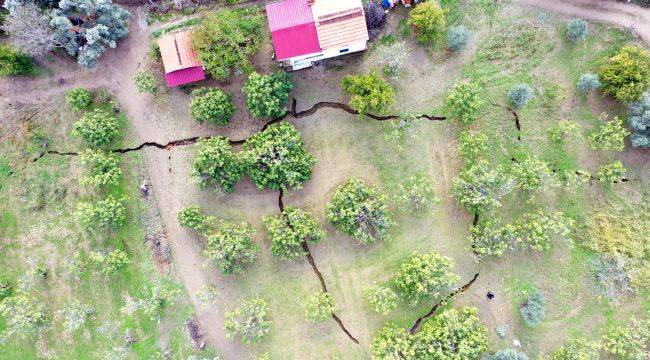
305 61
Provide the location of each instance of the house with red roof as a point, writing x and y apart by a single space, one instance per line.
307 31
182 65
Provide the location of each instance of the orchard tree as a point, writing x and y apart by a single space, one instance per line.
577 348
629 342
96 128
610 135
14 63
588 82
533 310
145 82
457 38
369 92
492 239
520 95
23 316
231 247
472 146
639 122
84 28
611 173
79 99
156 297
416 194
531 173
290 230
428 21
192 217
479 189
226 39
382 299
392 343
215 164
465 102
211 105
577 30
109 263
109 213
536 230
29 30
360 211
101 168
276 159
248 320
425 276
319 307
626 75
267 95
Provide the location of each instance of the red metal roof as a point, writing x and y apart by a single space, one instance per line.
184 76
288 13
176 52
292 28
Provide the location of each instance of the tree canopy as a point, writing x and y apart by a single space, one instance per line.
96 128
465 102
428 20
211 105
626 75
216 165
425 276
231 247
248 320
319 306
290 230
369 92
267 95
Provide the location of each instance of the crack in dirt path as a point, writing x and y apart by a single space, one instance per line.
514 114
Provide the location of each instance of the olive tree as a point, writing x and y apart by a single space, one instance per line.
216 165
576 348
23 316
479 189
319 307
563 129
416 194
465 102
531 173
628 342
74 315
267 95
231 247
110 262
611 173
211 105
192 217
425 276
101 168
248 320
360 211
472 146
109 213
369 92
610 135
382 299
290 230
96 128
145 82
392 343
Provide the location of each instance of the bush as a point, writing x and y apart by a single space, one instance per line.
212 106
248 320
109 213
74 316
359 211
79 99
267 95
472 146
479 189
531 173
464 102
192 217
155 298
416 194
111 262
558 132
96 128
145 82
428 21
611 173
508 354
577 30
425 277
576 349
391 343
588 82
532 310
629 342
369 92
610 135
382 299
232 247
102 169
14 63
23 315
626 75
639 121
319 307
290 230
457 38
276 159
215 164
391 56
520 95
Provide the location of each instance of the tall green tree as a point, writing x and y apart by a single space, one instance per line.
428 20
425 276
215 164
231 247
290 230
267 95
211 105
248 320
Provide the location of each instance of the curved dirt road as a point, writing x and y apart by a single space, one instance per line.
608 11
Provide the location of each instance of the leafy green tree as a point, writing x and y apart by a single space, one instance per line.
563 129
14 63
109 213
479 189
369 92
491 239
610 135
276 159
156 298
101 168
626 75
416 194
382 299
531 173
215 164
536 230
508 354
472 146
520 95
267 95
533 310
79 99
96 128
193 218
226 39
452 334
111 262
290 230
428 21
457 38
588 82
248 320
231 247
577 30
577 348
145 82
629 342
639 121
23 316
611 173
465 102
392 343
360 211
425 276
319 307
211 105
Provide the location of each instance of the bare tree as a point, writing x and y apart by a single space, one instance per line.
29 30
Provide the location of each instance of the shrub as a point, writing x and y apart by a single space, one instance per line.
111 262
212 106
457 38
267 95
96 128
102 169
639 121
391 342
425 277
193 218
79 99
558 132
276 159
508 354
226 39
472 146
465 102
319 307
145 82
610 135
14 63
588 82
479 189
535 230
74 316
532 310
428 21
23 316
628 342
369 92
215 164
577 30
290 230
416 194
232 247
531 173
611 173
359 211
248 320
519 95
626 75
155 298
109 213
577 348
382 299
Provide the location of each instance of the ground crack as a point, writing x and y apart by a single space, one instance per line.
515 115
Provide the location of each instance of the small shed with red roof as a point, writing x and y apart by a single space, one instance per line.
181 63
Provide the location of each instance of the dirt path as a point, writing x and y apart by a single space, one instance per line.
621 14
